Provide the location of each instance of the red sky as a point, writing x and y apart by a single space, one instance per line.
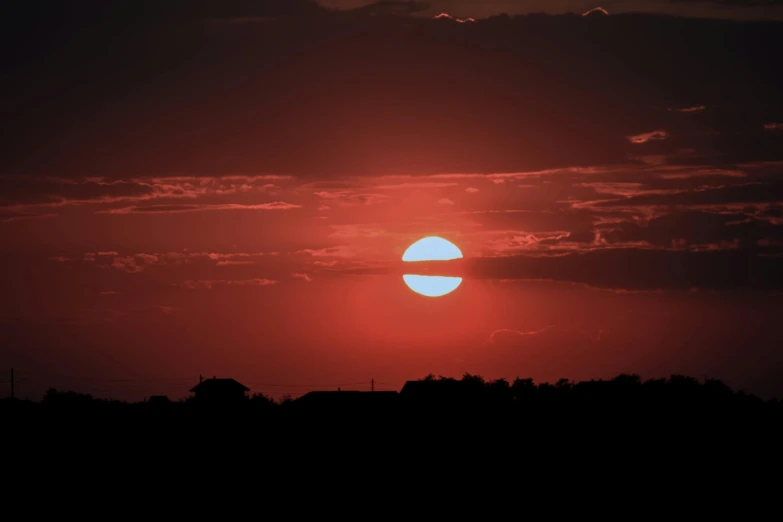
283 281
236 202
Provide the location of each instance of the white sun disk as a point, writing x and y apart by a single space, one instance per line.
432 286
432 249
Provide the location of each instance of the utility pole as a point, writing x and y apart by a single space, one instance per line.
200 378
372 385
12 383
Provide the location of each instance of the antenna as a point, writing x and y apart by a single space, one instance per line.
372 385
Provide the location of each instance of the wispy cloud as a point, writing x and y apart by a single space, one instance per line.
176 209
208 284
350 198
595 10
48 191
649 136
697 108
10 215
138 262
414 186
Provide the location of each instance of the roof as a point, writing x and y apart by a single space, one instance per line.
219 384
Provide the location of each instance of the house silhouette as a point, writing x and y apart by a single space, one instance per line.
224 391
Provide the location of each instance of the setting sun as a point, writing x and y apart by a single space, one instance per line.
432 249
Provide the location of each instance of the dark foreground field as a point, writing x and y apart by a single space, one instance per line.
622 448
468 419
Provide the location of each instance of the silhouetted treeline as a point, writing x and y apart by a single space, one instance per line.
496 425
472 393
187 451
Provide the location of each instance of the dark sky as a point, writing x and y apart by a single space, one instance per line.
228 188
737 9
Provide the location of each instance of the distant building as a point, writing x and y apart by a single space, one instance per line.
225 391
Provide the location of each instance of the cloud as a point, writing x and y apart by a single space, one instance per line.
446 16
177 209
235 263
503 334
414 186
138 262
209 284
641 269
445 201
94 256
471 190
596 11
56 191
517 241
695 108
747 193
506 335
10 215
349 198
341 251
127 264
303 277
703 173
49 191
649 136
357 231
697 229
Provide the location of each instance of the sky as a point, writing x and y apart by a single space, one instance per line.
229 193
736 9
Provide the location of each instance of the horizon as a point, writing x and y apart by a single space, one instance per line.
279 396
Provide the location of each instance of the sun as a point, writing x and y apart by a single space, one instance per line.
432 249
